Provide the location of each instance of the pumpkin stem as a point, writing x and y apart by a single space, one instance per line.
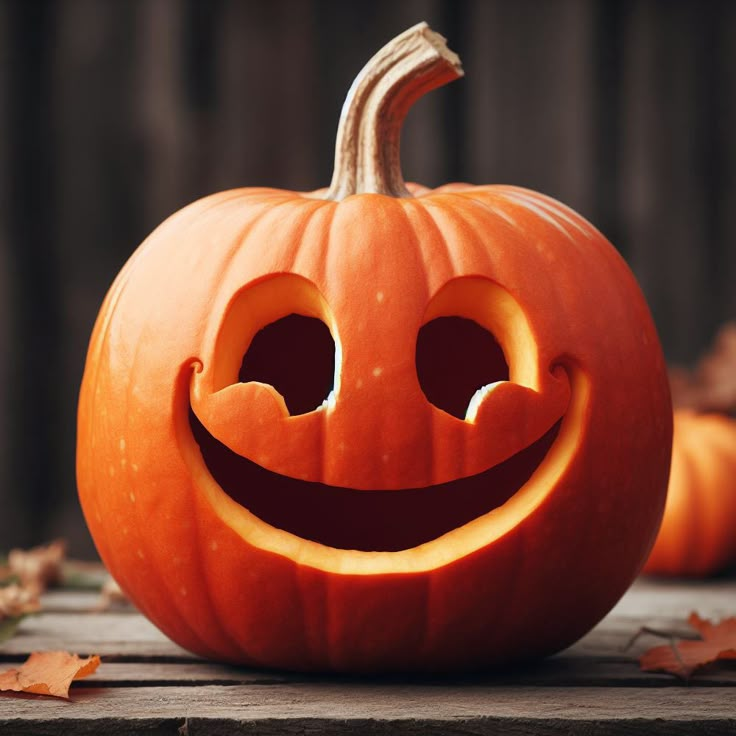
367 147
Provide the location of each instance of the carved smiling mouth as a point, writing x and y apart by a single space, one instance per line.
284 321
346 518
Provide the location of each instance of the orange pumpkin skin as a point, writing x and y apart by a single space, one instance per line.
697 536
524 580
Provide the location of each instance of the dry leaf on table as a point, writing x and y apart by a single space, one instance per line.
684 657
39 567
110 596
48 673
15 603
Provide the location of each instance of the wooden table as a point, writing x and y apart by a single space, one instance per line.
147 685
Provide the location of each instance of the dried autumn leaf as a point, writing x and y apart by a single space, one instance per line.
48 673
110 595
39 567
684 657
16 601
711 385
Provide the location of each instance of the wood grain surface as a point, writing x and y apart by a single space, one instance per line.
146 684
389 709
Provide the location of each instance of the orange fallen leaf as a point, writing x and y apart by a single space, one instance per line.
48 673
682 658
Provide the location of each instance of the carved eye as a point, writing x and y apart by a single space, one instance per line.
296 355
455 357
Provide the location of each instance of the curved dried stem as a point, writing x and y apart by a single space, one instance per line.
367 147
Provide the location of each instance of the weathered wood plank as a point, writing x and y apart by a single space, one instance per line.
98 156
117 635
132 637
127 636
647 596
659 597
373 708
80 601
677 599
668 154
9 522
557 671
30 396
592 688
529 105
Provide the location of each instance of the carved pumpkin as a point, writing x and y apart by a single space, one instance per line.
377 530
698 533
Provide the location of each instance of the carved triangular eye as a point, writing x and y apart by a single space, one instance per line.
455 357
296 355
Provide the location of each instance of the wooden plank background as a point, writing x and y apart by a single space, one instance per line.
114 114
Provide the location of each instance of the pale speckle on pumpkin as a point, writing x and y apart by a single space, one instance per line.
379 296
183 590
122 444
377 371
359 383
112 470
134 467
213 545
131 495
141 555
385 457
125 531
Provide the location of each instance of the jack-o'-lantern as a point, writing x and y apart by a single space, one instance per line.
480 477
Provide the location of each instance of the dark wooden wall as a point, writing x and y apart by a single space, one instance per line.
114 113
